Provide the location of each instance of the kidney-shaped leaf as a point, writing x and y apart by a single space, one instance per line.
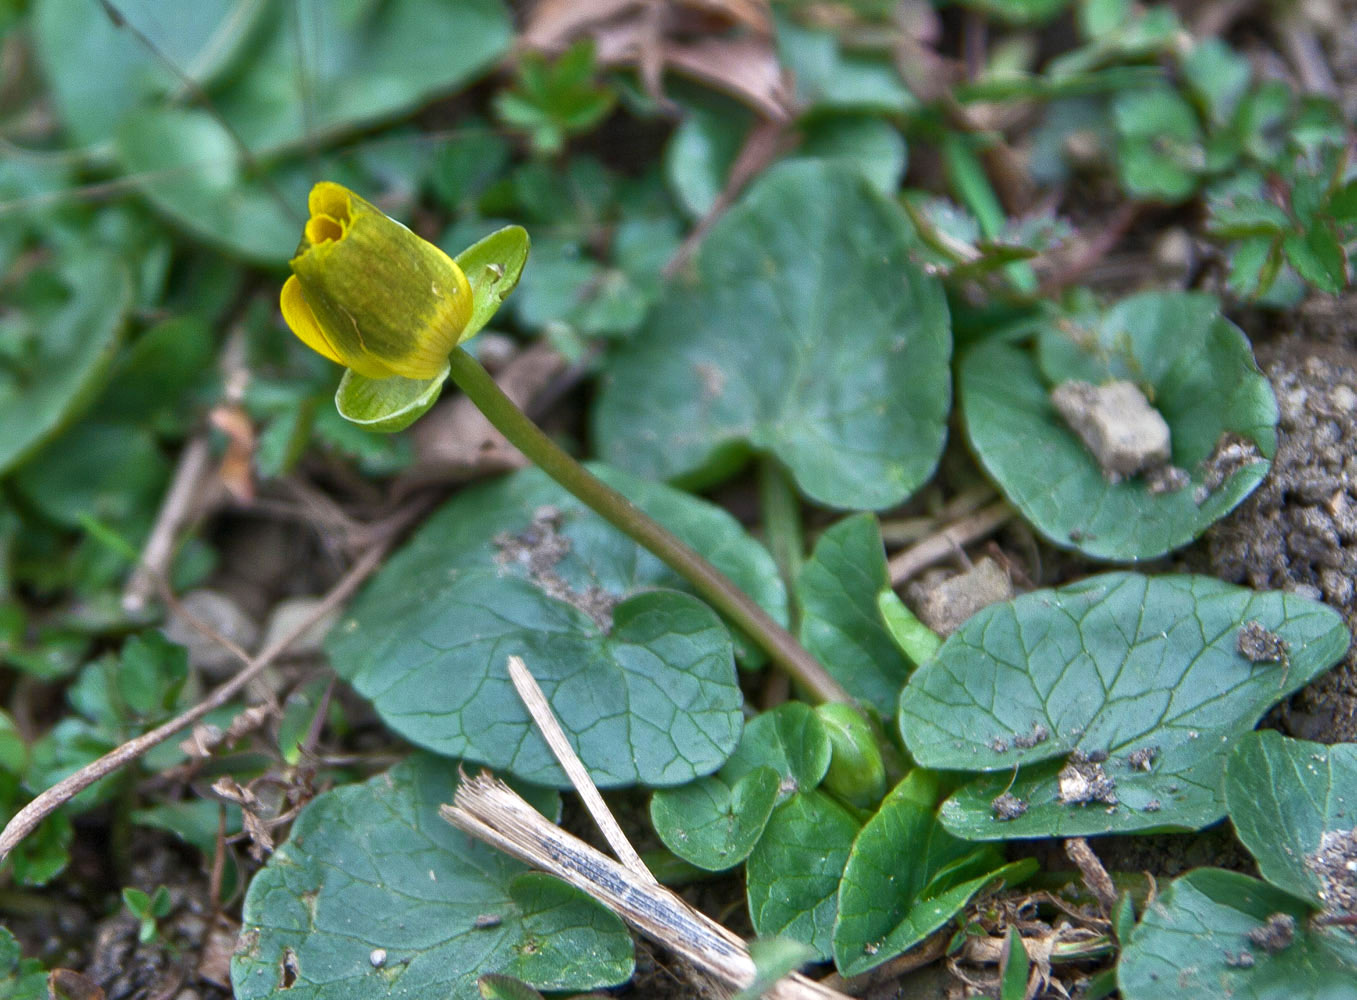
1194 943
1294 805
641 678
804 330
1145 670
1193 365
375 896
714 822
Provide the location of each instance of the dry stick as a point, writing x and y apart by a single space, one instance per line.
27 818
194 465
486 808
526 686
1094 875
937 547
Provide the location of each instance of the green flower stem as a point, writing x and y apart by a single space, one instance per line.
781 519
713 585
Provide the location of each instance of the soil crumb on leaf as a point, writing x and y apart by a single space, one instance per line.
1142 759
1026 741
1275 935
1117 424
539 548
1257 644
1007 806
1083 780
1336 865
1166 479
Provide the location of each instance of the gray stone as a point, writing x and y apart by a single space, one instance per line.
943 603
1116 423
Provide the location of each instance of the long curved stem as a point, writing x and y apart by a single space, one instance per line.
713 585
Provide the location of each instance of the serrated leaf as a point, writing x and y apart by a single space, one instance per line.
645 688
715 822
1189 945
840 624
793 874
890 898
73 344
804 330
1197 370
374 896
1318 257
1289 800
1114 664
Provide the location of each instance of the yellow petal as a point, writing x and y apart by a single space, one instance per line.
302 321
329 198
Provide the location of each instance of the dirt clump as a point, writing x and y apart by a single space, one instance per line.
944 601
1336 865
1257 644
1007 806
1083 780
1276 934
1298 531
539 549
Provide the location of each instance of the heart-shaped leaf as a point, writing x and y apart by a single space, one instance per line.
1193 365
641 678
715 822
1144 677
840 624
793 874
804 330
1215 934
1294 805
375 896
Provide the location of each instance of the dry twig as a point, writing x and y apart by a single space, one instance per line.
904 565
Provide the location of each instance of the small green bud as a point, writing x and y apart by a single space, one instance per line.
857 773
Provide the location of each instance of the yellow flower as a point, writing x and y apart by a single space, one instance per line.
369 294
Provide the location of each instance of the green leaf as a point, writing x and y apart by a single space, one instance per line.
492 266
112 473
1342 204
773 959
712 823
1118 664
99 70
494 986
891 897
645 687
829 78
1318 257
374 895
840 624
72 344
715 822
701 151
1159 153
866 143
1193 944
20 978
1013 974
1220 75
793 874
1196 369
1292 803
188 166
797 333
386 404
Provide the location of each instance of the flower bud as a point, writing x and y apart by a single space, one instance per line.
857 773
369 294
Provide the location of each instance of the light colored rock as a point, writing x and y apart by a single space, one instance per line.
221 614
289 614
1116 423
944 603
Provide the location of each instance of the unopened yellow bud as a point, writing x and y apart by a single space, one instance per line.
369 294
